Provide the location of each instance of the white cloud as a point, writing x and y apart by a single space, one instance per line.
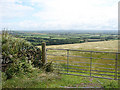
79 12
63 14
9 9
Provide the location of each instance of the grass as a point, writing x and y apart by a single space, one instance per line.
40 79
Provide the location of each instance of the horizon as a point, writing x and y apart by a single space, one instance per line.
52 31
8 29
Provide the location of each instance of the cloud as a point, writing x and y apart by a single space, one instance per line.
10 9
77 13
61 14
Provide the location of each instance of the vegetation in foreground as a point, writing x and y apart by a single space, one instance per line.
18 55
41 79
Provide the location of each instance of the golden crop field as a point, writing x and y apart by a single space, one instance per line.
99 46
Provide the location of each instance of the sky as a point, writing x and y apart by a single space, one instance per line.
59 14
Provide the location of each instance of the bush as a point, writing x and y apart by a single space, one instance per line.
18 67
19 55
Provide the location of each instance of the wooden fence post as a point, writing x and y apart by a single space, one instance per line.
43 52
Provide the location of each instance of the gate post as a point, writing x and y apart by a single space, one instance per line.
43 52
67 60
91 64
115 78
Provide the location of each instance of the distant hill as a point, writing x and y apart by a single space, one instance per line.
69 31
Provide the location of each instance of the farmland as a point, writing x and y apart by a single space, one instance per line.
38 78
64 37
111 45
41 79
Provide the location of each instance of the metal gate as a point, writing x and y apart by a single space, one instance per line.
97 64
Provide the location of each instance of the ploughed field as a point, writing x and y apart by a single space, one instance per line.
80 63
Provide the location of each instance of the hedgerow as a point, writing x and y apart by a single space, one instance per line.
18 55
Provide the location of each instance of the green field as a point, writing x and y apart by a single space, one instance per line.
65 37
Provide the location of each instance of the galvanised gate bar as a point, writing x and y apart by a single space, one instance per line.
97 64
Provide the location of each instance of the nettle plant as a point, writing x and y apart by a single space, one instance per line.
18 55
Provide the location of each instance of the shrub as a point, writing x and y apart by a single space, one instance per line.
16 67
18 55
